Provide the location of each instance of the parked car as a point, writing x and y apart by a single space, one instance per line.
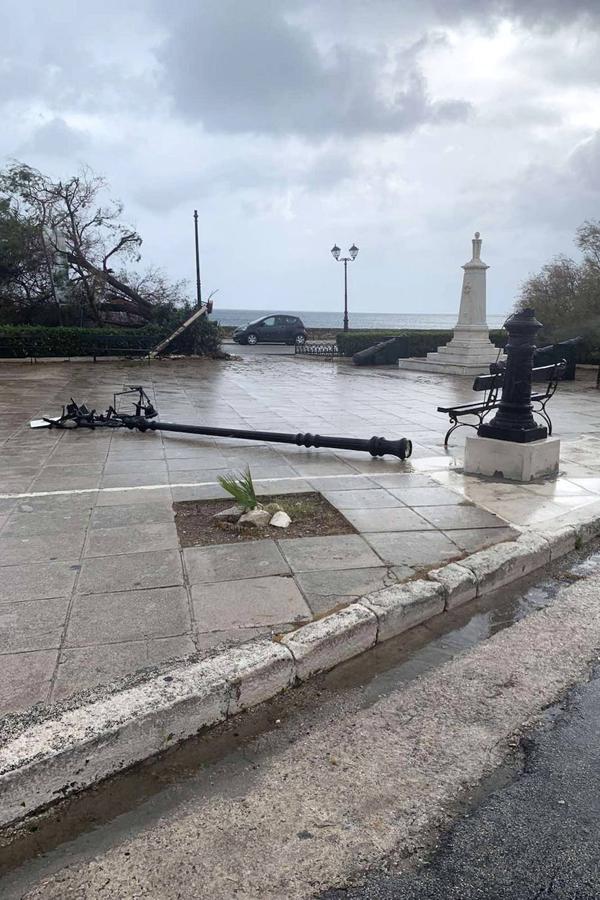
271 329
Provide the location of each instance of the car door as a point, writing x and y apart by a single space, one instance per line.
268 330
285 328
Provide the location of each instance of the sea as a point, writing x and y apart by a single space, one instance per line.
334 320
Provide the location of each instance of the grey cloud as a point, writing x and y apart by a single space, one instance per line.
253 175
242 67
56 138
585 163
540 14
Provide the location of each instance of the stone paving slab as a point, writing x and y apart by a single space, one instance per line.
373 498
156 513
229 562
38 582
415 549
15 551
26 678
274 600
32 625
344 551
127 616
131 539
85 667
329 588
386 520
130 571
426 496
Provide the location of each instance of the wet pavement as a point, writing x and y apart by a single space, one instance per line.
94 584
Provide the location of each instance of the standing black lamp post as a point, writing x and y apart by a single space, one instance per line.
514 420
198 288
353 251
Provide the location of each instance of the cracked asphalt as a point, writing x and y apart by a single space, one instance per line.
535 837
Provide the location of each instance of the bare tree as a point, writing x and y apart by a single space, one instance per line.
85 235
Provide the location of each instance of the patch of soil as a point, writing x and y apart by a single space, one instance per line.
311 514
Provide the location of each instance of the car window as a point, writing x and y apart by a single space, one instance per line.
282 320
270 322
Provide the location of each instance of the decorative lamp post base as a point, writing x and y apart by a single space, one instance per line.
511 433
522 462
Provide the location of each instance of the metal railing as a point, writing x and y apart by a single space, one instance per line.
317 349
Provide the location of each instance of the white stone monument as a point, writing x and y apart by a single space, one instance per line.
470 351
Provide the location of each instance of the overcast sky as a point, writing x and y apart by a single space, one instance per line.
293 124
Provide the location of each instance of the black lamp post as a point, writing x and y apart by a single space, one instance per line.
198 286
514 420
335 250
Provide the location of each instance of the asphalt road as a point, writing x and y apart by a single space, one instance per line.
538 837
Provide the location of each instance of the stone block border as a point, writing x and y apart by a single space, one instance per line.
60 756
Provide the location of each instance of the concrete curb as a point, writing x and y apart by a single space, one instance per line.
63 755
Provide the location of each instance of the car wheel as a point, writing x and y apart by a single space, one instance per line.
252 339
300 339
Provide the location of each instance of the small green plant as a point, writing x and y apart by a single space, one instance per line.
241 488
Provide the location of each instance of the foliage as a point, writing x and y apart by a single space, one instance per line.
34 340
66 256
410 342
566 295
241 488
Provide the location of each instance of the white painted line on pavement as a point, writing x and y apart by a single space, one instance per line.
183 484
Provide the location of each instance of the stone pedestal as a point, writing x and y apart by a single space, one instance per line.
470 351
512 461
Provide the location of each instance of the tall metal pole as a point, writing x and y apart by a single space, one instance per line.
198 288
345 294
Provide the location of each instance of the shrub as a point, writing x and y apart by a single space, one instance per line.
19 341
408 342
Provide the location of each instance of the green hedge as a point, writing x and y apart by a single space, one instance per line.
19 341
409 342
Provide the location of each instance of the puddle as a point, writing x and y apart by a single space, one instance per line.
81 827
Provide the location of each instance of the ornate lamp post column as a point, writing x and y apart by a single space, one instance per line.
514 420
353 251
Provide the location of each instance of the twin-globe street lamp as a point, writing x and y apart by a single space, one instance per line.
335 250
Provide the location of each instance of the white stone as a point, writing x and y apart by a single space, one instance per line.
470 351
323 644
511 461
281 520
403 606
257 518
459 584
507 562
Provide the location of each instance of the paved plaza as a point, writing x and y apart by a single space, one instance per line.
94 584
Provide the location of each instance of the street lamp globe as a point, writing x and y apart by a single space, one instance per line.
335 250
353 251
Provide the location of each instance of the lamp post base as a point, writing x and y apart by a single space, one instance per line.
513 433
503 459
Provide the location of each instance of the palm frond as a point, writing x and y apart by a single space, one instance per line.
241 488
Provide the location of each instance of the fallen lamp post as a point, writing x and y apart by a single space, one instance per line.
144 415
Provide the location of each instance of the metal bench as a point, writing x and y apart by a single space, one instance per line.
490 385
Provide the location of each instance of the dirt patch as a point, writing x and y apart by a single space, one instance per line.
311 515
